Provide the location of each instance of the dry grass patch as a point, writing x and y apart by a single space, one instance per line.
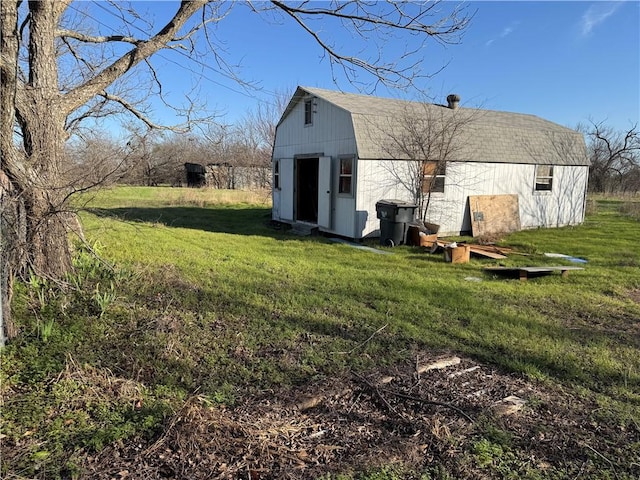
205 197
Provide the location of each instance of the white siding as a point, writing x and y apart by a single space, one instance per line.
564 205
285 203
377 180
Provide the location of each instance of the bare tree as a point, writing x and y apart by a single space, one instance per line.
426 138
34 101
615 158
239 155
261 122
95 159
52 81
255 135
148 163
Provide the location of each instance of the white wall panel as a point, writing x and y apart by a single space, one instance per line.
563 206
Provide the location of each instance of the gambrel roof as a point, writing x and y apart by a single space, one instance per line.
489 135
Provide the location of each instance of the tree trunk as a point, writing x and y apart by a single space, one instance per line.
33 218
10 220
9 203
46 231
42 122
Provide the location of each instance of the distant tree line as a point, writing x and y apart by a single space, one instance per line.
230 153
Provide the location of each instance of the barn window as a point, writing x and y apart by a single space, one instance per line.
308 112
346 175
433 177
544 178
276 175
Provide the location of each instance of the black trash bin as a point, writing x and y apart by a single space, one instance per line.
395 217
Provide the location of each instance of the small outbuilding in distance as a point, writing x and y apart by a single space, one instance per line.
337 154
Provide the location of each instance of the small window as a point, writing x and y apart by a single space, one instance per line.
276 175
308 112
544 178
346 175
433 174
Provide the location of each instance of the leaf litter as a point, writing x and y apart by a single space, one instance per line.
415 418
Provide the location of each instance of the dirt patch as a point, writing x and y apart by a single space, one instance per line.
457 416
635 295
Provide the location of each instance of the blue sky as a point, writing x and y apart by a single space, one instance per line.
563 61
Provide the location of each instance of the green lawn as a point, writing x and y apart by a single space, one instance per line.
201 294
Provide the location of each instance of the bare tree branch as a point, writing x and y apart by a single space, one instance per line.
83 93
66 34
372 19
130 108
373 16
421 142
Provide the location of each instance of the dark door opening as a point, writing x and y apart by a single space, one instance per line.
307 190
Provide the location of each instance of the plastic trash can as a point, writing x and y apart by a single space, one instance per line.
395 217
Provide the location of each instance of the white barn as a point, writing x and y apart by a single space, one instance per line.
332 164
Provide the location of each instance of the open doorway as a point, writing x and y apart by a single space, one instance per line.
307 190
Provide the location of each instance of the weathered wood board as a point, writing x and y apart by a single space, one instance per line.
486 253
491 214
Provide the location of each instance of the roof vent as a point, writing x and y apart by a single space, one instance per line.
453 100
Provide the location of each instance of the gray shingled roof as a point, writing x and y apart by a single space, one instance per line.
488 135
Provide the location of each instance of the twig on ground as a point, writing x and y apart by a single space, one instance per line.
376 390
602 457
379 391
363 343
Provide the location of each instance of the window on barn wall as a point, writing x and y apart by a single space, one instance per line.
345 183
433 174
276 175
544 178
308 112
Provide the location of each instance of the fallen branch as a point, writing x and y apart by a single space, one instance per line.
462 372
429 402
376 390
439 365
379 391
611 464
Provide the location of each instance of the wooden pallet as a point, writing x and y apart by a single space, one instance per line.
525 272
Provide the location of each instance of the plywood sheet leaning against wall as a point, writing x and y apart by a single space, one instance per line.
491 214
